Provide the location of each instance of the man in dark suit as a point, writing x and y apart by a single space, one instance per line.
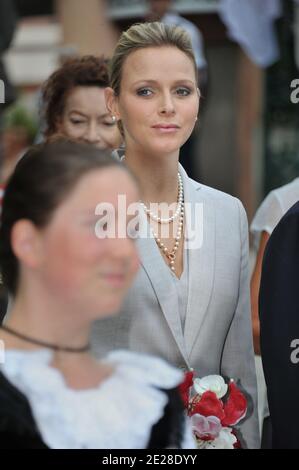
279 316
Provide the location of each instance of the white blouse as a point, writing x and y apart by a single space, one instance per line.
273 208
181 286
118 414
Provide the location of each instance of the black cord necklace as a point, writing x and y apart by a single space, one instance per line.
55 347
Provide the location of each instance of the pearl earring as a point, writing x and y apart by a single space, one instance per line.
113 118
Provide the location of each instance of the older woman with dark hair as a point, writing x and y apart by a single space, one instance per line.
74 103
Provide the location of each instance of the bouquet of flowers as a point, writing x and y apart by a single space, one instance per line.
214 408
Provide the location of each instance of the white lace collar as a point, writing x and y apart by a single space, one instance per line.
118 414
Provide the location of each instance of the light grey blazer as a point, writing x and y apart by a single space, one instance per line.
217 338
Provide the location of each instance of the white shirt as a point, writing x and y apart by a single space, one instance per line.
118 414
182 287
251 23
273 208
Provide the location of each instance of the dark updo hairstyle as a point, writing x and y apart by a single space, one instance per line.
42 180
80 71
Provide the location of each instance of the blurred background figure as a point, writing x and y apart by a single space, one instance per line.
161 10
19 128
8 22
272 209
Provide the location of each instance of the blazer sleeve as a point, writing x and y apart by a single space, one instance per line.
238 355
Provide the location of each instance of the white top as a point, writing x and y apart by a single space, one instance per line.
118 414
182 287
194 33
273 208
252 24
181 284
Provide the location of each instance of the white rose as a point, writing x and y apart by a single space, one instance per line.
225 440
212 383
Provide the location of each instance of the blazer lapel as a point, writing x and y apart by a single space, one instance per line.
154 265
201 257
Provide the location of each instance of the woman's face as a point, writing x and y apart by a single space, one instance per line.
77 267
158 100
86 118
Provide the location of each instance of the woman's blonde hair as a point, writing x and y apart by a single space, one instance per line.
144 35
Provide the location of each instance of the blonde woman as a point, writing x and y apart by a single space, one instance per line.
190 302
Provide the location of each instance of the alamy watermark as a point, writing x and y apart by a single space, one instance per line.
295 353
2 92
294 96
123 220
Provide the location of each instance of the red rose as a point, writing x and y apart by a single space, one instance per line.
207 405
235 407
185 387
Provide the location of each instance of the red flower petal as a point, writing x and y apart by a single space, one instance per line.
207 405
235 407
185 386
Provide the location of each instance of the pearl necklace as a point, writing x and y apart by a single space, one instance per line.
170 255
159 219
